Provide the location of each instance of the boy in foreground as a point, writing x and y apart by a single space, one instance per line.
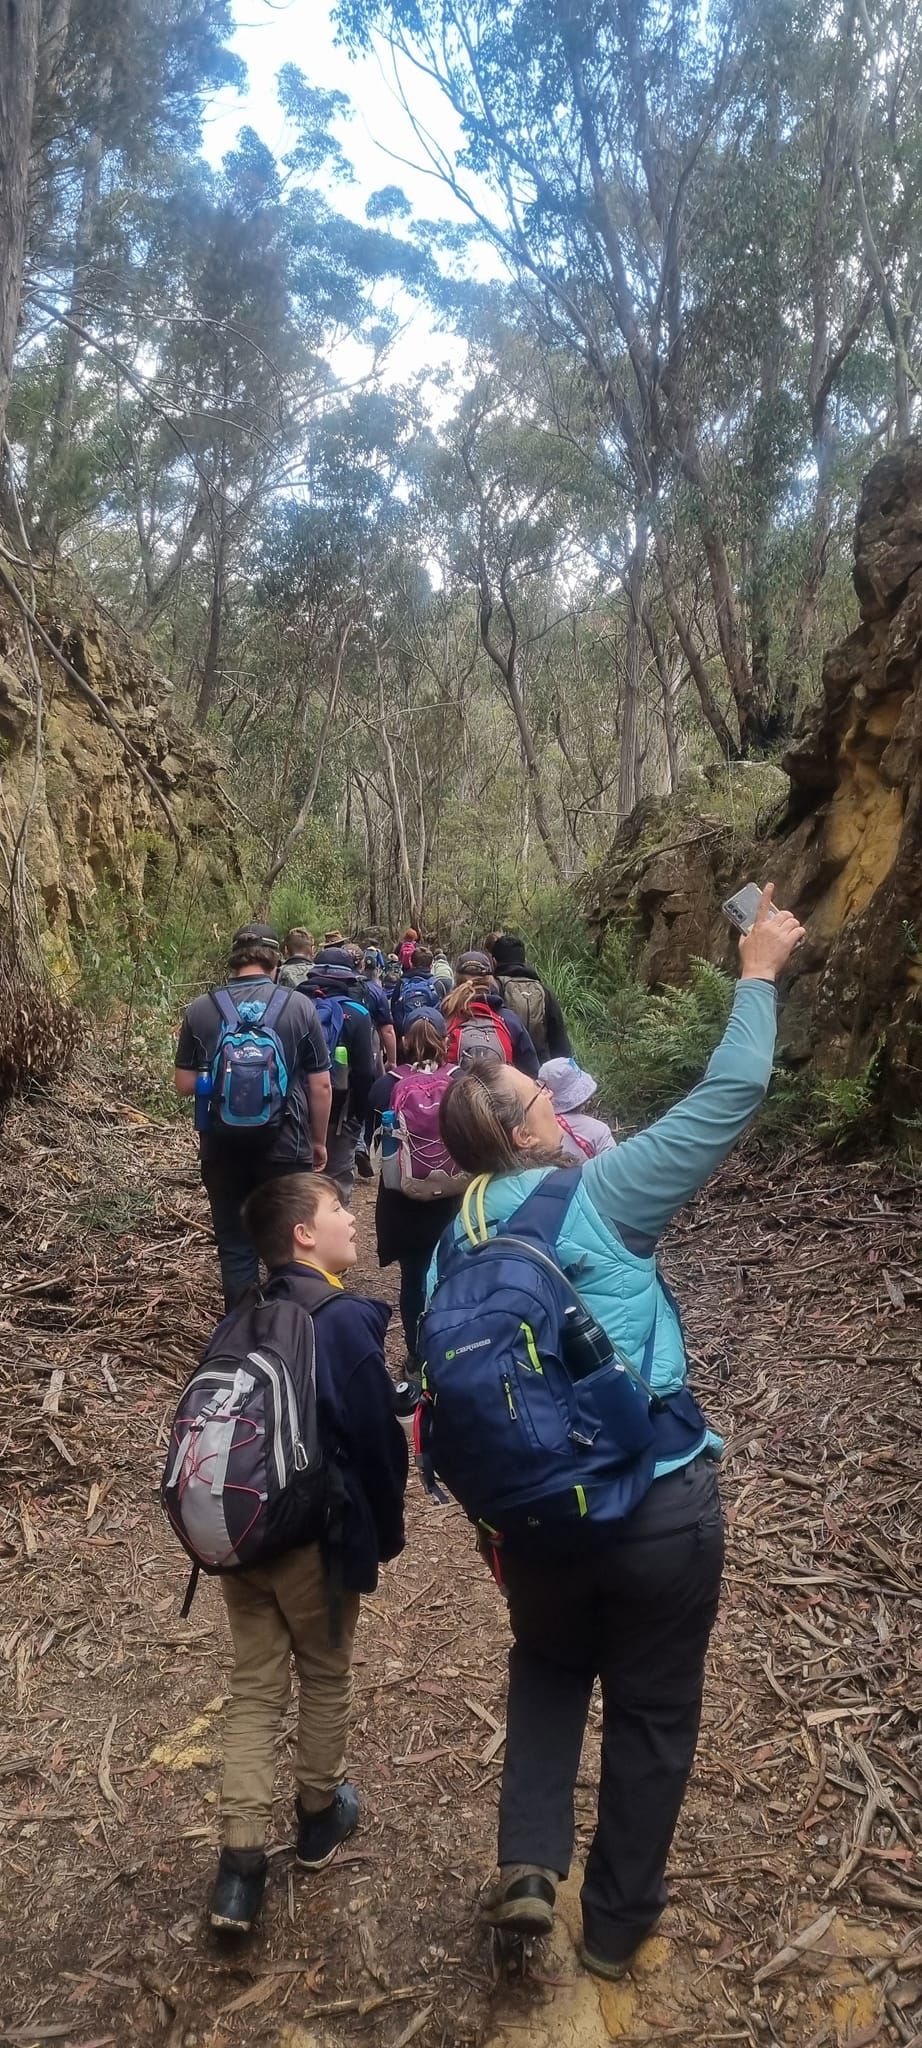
307 1239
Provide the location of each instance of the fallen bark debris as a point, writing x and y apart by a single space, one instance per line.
797 1869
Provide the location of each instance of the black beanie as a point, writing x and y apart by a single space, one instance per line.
508 952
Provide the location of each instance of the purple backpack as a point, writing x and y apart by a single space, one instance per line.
419 1165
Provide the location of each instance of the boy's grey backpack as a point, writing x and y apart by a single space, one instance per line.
246 1474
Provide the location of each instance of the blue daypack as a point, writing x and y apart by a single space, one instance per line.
417 992
535 1456
249 1072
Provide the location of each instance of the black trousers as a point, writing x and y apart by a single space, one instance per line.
227 1183
414 1267
636 1613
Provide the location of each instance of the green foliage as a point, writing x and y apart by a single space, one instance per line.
849 1114
144 959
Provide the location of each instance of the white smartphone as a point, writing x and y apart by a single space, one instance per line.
741 909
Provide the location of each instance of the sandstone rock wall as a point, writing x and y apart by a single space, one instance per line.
847 854
94 820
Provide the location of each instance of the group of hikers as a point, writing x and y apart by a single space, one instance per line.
547 1370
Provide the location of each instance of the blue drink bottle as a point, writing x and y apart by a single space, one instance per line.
203 1092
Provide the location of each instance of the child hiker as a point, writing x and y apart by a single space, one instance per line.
571 1090
282 1608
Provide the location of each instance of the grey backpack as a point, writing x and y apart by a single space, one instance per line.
246 1474
526 999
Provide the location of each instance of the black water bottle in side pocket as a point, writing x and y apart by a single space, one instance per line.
584 1347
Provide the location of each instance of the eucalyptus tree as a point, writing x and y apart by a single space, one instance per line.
678 192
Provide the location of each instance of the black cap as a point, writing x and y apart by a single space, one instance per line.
257 935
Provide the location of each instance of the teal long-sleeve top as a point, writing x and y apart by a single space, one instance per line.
628 1195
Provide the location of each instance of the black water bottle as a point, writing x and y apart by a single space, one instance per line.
584 1347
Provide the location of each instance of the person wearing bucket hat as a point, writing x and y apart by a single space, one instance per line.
571 1090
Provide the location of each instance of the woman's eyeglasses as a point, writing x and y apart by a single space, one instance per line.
542 1089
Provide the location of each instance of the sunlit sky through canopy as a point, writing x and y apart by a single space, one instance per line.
378 139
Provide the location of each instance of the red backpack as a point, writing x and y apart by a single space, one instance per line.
480 1034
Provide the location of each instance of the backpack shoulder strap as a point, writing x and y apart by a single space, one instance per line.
544 1209
307 1289
226 1008
278 1002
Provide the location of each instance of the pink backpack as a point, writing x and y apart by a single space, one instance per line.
416 1162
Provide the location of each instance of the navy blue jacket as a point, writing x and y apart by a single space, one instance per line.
356 1420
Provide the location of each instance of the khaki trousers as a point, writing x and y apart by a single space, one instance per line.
275 1611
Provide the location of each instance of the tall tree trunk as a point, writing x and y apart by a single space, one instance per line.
281 858
62 411
628 760
397 810
209 680
686 639
219 544
20 30
371 851
670 680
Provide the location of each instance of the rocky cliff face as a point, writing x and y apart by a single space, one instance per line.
94 818
851 858
847 855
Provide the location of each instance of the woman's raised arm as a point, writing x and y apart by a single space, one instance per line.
640 1184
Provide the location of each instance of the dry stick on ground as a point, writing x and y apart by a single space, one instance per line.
86 690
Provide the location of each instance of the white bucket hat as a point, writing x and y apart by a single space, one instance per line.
570 1085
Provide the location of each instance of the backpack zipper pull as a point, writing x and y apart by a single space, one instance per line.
510 1404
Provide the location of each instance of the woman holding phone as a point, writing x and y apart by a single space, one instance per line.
634 1605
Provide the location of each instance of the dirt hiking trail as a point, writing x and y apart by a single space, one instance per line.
796 1914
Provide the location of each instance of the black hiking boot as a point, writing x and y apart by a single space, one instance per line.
363 1166
613 1967
521 1899
321 1834
237 1893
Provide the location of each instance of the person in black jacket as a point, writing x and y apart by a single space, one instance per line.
524 992
282 1609
353 1067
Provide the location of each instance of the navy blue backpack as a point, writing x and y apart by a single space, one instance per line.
417 994
535 1455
